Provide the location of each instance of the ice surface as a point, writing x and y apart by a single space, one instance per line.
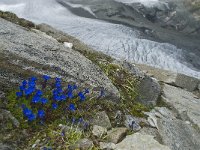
115 40
146 3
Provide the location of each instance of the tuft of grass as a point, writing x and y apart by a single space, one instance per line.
127 84
15 109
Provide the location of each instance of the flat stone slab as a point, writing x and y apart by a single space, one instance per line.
185 103
139 141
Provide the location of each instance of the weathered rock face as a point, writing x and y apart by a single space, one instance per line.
132 123
138 141
107 146
83 144
99 131
185 103
44 55
159 112
176 79
116 135
178 135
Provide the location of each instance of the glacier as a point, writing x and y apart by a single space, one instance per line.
116 40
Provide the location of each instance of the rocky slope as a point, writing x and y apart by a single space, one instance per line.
172 99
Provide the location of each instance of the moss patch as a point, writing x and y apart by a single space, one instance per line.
14 19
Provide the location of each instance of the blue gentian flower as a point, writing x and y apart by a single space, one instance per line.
58 79
59 90
58 84
57 97
45 148
24 83
72 107
19 94
55 92
39 93
31 84
75 87
31 117
82 96
70 87
46 77
44 101
29 91
36 99
54 106
62 134
70 95
102 93
41 114
27 112
63 97
33 79
23 106
73 120
80 120
22 88
87 91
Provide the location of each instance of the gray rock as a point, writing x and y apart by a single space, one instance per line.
178 135
2 95
139 141
149 89
101 119
107 146
5 147
61 61
132 123
2 100
118 117
180 80
99 131
116 135
83 144
184 102
151 131
159 112
189 83
8 116
199 87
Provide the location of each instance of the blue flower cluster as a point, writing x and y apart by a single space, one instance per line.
38 103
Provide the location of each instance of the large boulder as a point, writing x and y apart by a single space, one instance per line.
178 135
184 102
41 54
